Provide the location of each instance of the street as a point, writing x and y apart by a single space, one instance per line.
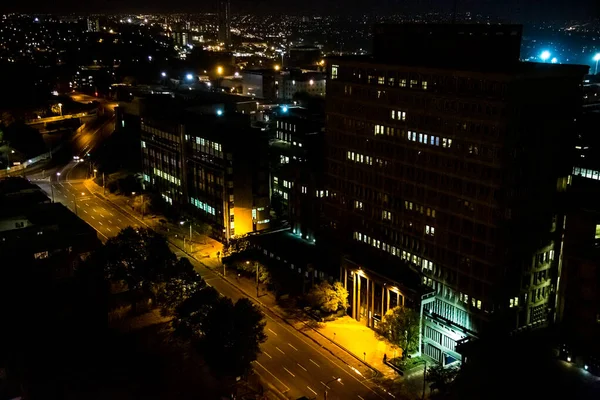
289 361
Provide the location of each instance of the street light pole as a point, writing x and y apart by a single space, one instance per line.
596 58
328 382
255 263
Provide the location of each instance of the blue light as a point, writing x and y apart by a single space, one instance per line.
545 55
219 112
284 109
189 77
554 60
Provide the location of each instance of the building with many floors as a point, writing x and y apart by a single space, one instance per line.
445 156
204 156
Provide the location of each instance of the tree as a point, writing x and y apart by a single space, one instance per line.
327 297
440 377
233 336
228 335
139 257
400 326
181 283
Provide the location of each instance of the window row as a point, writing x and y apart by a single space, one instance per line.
286 125
166 176
586 173
410 206
428 139
474 302
398 115
202 206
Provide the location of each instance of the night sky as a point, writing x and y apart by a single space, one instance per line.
516 10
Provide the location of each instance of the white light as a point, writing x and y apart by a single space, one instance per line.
597 57
149 58
129 20
554 60
284 109
585 366
311 82
189 77
236 74
163 74
569 359
219 112
208 84
545 55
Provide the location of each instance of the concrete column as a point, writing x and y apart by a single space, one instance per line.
355 277
367 308
382 301
358 297
398 298
388 298
346 278
403 299
372 303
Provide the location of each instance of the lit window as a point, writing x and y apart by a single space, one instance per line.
413 83
424 85
597 236
402 82
304 189
358 205
516 301
393 114
511 303
334 71
479 304
381 80
41 255
275 180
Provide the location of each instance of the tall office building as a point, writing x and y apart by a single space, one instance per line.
445 154
224 23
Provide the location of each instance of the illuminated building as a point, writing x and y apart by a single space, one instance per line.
93 25
224 23
204 157
299 81
444 159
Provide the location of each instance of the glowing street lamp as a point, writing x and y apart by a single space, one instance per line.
220 70
596 58
277 67
189 77
335 379
60 107
545 55
163 74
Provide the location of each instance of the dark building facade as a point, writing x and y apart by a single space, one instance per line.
296 146
224 22
209 160
448 167
580 289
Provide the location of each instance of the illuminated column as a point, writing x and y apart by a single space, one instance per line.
388 298
382 301
355 277
398 298
367 308
372 313
345 278
358 298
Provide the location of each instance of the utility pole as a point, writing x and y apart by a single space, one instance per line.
103 185
75 203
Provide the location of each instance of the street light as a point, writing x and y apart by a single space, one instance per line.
60 107
545 55
220 70
277 67
163 74
596 58
189 77
335 379
190 239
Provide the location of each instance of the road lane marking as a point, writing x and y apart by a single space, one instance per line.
267 354
302 367
288 371
279 350
85 211
324 384
312 390
360 397
292 347
108 229
270 373
272 331
100 222
110 222
314 363
93 217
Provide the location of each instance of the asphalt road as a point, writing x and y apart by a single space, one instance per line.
291 362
